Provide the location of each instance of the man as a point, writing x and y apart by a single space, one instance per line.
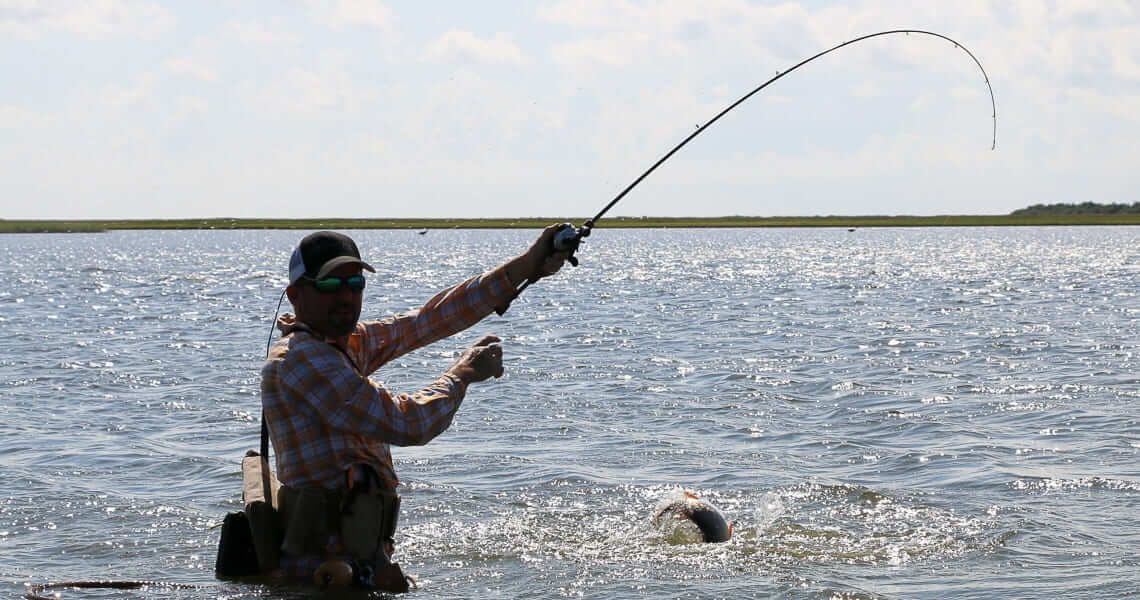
331 426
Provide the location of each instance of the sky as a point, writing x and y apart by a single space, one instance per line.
496 108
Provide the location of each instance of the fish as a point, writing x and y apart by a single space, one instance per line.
685 506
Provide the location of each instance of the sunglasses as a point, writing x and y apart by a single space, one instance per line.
332 285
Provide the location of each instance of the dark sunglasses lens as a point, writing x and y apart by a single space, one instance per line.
329 285
355 283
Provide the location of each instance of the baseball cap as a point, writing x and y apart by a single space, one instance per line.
321 252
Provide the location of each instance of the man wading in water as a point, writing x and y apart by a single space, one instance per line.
331 426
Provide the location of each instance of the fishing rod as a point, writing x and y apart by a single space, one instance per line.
569 237
35 592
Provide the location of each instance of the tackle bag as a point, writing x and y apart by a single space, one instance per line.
237 556
250 543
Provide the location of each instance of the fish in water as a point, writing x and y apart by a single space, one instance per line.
683 507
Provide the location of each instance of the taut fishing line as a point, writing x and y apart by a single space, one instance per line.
273 321
569 237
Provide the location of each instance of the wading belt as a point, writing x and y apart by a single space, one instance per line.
362 515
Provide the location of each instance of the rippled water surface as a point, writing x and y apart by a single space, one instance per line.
884 413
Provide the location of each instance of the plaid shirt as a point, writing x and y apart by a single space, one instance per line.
324 413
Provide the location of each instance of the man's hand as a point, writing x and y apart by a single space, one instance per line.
481 361
540 260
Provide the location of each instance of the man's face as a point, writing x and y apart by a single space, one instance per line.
331 314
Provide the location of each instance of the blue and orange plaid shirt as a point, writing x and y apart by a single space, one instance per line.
325 414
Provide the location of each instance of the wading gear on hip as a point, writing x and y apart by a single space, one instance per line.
352 528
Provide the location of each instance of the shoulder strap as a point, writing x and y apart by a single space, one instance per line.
264 436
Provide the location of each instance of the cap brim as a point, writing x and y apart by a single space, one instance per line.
329 266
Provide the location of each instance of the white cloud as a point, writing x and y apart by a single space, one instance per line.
339 14
93 19
188 106
192 68
613 50
14 117
1118 107
1093 13
620 34
866 89
274 33
577 14
308 93
130 96
467 47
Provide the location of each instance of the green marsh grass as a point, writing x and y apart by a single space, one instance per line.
91 226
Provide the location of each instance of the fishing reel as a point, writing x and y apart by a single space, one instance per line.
567 239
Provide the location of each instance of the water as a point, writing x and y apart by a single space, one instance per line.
886 413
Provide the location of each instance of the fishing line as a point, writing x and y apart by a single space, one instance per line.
273 322
569 237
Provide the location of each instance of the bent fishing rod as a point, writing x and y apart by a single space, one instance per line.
569 237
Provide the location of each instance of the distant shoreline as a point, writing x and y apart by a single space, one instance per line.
95 226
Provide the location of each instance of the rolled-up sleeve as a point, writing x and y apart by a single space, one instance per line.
445 314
